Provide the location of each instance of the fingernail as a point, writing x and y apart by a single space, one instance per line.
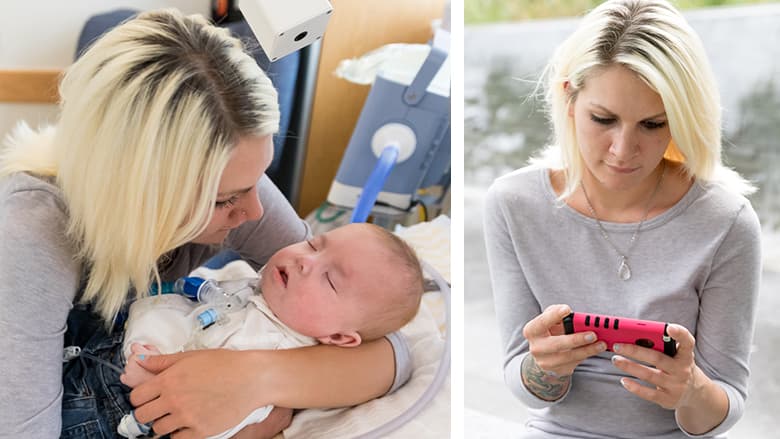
590 338
616 347
602 346
624 382
615 358
141 357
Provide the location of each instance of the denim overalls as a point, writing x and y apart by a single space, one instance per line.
93 400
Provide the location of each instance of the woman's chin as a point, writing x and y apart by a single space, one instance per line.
216 237
617 182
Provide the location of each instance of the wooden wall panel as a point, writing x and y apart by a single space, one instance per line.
29 86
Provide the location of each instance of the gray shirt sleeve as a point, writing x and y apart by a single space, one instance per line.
514 302
731 290
38 281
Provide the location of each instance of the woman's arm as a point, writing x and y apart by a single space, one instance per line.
723 342
202 393
322 376
514 302
38 279
706 408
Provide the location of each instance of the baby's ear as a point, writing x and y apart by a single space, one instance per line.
346 340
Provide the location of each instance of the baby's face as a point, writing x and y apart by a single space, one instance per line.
330 284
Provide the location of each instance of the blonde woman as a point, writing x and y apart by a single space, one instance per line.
630 213
155 164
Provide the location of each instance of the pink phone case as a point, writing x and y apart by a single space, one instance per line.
611 330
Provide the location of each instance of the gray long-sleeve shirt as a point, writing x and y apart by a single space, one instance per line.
39 279
697 264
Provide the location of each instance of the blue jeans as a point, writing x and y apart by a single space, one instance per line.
93 400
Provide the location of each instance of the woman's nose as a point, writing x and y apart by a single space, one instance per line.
252 207
248 208
624 144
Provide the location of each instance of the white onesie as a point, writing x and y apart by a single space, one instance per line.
169 322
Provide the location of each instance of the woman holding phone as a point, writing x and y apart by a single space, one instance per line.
630 212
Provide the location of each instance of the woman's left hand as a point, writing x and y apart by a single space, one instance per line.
676 379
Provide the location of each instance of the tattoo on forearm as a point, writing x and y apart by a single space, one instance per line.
547 387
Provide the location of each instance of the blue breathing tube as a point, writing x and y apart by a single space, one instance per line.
374 183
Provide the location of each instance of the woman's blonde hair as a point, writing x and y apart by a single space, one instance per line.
149 117
651 38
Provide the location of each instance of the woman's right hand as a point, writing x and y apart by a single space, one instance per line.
554 352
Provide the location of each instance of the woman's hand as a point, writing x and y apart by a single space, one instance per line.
198 393
553 355
675 379
553 351
678 382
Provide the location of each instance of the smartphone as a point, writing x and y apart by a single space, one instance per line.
611 330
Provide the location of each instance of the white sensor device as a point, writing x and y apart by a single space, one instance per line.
284 26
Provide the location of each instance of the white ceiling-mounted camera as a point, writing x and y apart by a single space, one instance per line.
284 26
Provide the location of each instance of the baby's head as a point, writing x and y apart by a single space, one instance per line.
355 283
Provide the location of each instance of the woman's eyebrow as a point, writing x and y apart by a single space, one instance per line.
611 113
663 113
235 192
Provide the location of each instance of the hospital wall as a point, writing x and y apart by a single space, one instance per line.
38 39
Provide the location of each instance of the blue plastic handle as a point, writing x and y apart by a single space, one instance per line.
374 183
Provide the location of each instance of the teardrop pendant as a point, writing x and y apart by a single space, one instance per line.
624 271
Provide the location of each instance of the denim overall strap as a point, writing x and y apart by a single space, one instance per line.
94 400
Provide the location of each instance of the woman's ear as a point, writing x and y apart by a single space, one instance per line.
346 340
569 100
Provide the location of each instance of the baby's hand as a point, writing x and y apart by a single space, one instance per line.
135 374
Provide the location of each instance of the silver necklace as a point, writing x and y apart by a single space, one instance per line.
624 270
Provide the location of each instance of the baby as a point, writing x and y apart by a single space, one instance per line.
352 284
